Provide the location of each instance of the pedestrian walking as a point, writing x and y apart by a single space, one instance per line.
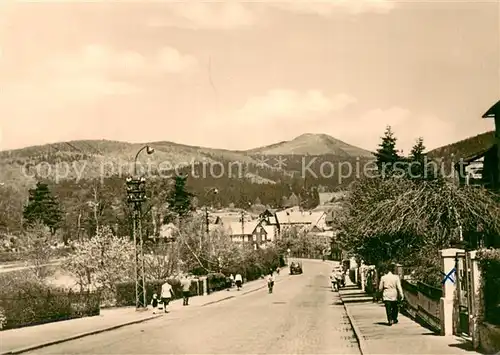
186 287
239 281
270 282
392 292
154 303
231 278
166 295
278 270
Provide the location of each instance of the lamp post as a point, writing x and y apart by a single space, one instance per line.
136 195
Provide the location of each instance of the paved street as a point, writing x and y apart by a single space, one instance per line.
301 316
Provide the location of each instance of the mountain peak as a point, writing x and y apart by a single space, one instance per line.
312 144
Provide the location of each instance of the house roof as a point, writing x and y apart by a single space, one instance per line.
493 111
298 217
325 197
248 227
476 156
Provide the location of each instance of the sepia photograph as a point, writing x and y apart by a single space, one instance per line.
249 177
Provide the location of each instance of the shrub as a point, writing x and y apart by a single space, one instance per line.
489 262
25 301
217 282
125 291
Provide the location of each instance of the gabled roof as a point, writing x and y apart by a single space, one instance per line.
476 156
493 111
298 217
325 197
247 228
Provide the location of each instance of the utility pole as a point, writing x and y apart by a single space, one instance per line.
215 191
207 231
243 223
136 195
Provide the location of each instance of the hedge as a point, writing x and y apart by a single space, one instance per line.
489 262
39 304
217 282
125 291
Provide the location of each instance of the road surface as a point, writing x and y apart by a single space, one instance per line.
302 316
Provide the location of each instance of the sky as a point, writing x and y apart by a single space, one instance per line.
238 75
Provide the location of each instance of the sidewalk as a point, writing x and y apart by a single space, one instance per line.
15 341
368 320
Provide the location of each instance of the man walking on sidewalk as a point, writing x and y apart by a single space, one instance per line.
186 287
166 295
392 292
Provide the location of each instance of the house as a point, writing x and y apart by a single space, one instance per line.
268 217
483 167
268 213
479 169
295 217
293 200
253 233
494 112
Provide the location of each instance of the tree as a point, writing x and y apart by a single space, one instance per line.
42 207
398 219
420 168
38 250
102 261
179 199
386 154
11 208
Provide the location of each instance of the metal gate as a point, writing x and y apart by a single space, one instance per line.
464 292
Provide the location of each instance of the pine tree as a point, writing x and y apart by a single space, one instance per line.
42 208
419 166
387 155
180 200
417 159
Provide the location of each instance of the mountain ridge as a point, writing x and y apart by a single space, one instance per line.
308 141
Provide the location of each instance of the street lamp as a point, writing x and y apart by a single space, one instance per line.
136 195
149 151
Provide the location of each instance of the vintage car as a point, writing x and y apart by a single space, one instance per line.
295 268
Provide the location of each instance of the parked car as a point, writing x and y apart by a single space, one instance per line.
295 268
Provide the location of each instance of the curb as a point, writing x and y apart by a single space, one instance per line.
357 332
78 336
217 301
94 332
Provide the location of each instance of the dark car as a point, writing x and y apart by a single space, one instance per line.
295 268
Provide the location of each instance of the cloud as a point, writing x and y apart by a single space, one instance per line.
329 7
91 73
367 128
203 15
97 59
226 15
289 104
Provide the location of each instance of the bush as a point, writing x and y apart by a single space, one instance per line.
489 262
125 291
217 282
25 301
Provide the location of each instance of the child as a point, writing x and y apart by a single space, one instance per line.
154 303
